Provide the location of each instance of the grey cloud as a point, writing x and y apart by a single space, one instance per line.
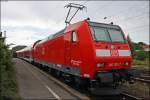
53 13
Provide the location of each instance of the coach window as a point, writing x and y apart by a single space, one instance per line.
74 36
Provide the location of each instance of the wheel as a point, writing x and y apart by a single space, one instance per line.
81 83
58 73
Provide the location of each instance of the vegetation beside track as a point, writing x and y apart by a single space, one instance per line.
138 89
9 88
141 63
140 56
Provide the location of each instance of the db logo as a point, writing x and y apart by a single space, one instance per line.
114 52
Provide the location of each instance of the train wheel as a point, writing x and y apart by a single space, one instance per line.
53 71
58 73
45 68
78 82
67 78
49 70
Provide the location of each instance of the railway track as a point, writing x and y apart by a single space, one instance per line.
126 96
122 96
145 79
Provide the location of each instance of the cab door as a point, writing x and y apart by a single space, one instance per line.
67 43
72 51
75 54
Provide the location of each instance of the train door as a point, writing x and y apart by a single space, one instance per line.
72 51
67 41
75 50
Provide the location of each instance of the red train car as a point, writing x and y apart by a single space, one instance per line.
25 53
90 53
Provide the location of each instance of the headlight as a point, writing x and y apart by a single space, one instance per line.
100 64
86 75
126 63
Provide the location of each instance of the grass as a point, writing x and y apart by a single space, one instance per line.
9 87
140 62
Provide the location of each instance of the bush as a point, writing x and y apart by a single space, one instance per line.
140 55
139 62
9 89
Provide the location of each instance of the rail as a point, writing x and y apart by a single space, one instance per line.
126 95
145 79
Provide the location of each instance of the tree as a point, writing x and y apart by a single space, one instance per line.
141 44
140 55
131 44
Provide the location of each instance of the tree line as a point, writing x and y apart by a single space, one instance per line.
137 50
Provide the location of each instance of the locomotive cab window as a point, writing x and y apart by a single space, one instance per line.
116 35
74 36
104 34
100 34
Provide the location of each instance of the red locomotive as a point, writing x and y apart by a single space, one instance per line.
92 54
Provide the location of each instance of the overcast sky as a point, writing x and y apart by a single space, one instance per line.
29 21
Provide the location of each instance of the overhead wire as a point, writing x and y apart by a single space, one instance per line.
84 3
128 18
131 17
103 6
120 12
141 26
141 16
123 11
137 30
134 29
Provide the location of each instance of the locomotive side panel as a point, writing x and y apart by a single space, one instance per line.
37 53
87 51
55 50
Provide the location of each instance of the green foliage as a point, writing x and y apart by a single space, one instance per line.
138 46
137 50
131 44
140 55
8 90
140 62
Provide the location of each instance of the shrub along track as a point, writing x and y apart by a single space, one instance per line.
8 83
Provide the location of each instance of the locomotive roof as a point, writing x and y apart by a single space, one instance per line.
103 25
60 32
89 22
25 49
52 35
